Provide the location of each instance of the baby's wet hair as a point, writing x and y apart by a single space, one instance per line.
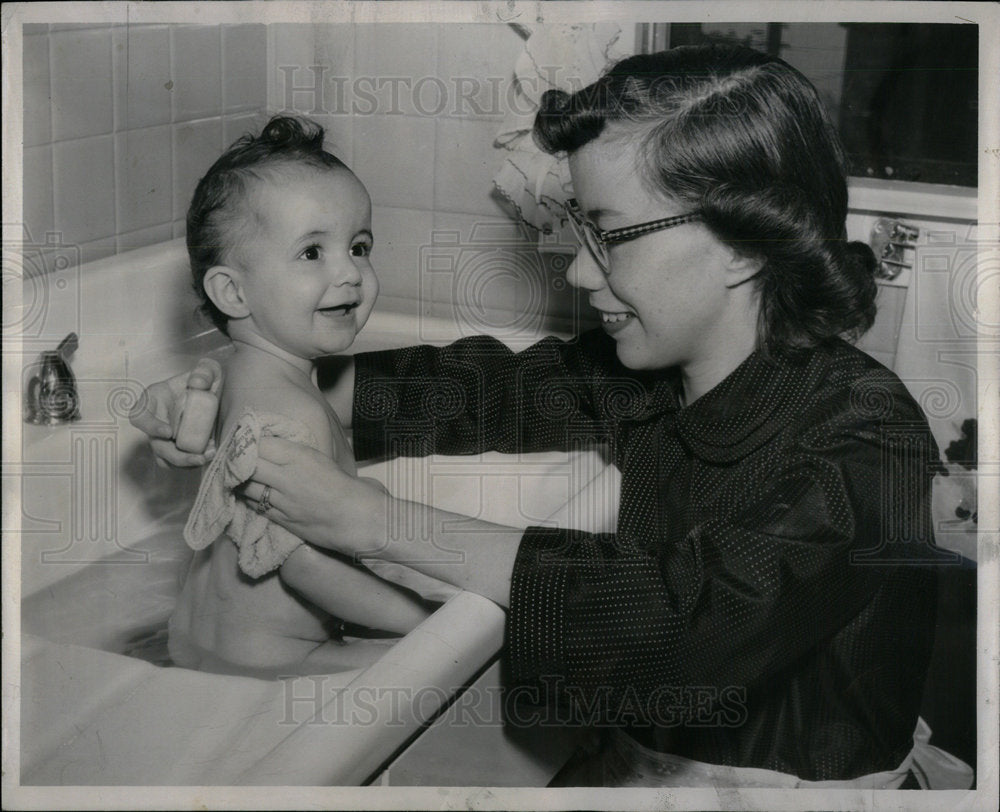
220 213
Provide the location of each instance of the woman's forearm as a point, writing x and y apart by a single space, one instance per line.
471 554
316 500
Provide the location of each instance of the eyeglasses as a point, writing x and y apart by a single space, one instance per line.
597 241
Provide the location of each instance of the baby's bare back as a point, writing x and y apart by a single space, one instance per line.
226 616
228 621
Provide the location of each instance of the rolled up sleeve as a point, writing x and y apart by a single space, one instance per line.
476 395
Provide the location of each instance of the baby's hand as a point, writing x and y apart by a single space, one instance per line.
158 414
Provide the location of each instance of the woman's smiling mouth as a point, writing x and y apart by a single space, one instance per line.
613 322
614 316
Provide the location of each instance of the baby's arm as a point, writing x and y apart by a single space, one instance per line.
351 593
329 581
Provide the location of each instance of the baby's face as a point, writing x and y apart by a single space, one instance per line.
307 278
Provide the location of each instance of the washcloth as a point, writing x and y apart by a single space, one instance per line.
263 545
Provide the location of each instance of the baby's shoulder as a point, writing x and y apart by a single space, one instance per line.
302 404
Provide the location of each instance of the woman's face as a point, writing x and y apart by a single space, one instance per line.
667 297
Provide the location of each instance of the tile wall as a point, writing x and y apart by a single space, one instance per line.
121 121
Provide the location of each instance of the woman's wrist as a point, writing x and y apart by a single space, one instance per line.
468 553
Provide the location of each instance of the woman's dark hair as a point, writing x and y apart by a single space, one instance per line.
743 138
218 215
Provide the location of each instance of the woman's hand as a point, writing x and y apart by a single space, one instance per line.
312 497
157 413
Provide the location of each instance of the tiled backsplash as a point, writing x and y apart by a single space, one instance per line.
121 121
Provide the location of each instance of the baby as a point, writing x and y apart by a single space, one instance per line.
279 237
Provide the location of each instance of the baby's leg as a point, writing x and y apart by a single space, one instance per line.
351 593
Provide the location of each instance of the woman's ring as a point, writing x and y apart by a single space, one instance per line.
264 503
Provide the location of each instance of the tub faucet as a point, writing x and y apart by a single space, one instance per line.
51 396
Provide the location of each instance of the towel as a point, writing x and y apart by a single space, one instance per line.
263 545
535 185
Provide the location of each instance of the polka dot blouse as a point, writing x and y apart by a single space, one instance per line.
768 598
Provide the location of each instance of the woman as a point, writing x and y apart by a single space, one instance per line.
760 615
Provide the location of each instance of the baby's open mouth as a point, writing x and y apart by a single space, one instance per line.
339 310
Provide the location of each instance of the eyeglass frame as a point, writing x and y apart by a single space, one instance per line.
597 240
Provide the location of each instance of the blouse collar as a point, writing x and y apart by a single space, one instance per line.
747 408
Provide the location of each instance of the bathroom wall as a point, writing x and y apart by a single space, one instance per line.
120 121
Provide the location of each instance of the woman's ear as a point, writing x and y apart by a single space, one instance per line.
741 268
224 286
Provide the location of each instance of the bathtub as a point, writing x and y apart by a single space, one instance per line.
102 561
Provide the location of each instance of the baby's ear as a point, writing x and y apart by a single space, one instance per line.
224 287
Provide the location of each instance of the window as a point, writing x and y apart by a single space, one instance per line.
904 95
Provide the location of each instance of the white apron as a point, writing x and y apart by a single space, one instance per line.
627 763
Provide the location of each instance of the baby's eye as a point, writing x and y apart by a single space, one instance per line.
312 253
361 249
